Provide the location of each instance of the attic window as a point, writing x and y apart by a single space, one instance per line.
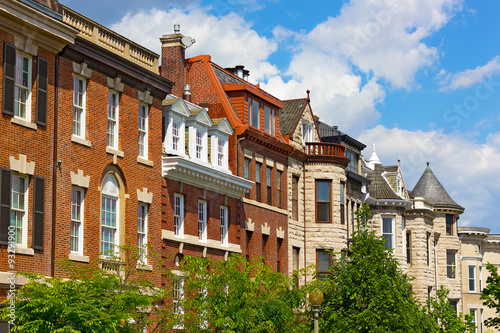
306 132
269 120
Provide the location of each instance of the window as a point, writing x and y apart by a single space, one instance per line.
269 120
22 92
278 186
295 264
450 264
449 224
18 209
248 238
109 216
254 113
223 225
265 238
175 135
323 262
113 101
473 313
246 171
178 298
179 215
408 247
482 321
258 191
199 145
388 231
142 233
76 245
342 204
278 255
429 293
202 221
399 185
323 200
295 197
479 249
454 305
480 278
269 188
306 132
428 248
143 131
353 160
472 278
220 152
79 87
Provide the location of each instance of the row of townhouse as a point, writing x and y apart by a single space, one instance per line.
102 147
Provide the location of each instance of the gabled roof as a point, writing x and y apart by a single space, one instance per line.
430 188
222 125
291 114
379 188
177 105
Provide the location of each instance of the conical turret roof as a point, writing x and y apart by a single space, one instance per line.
430 188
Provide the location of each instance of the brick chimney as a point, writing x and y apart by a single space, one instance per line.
173 60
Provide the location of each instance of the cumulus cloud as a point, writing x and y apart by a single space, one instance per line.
470 77
467 169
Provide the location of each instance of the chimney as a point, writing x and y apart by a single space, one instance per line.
173 60
187 92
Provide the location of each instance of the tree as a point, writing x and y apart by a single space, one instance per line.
237 296
491 296
89 300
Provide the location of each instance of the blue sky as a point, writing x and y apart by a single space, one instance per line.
420 79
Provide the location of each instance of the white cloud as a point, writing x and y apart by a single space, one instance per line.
468 170
471 77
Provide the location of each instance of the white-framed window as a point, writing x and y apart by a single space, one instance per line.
113 114
473 313
77 215
179 215
199 144
79 103
143 131
220 152
176 126
19 209
480 278
202 221
178 299
472 278
388 231
306 132
399 185
223 225
142 233
22 88
109 216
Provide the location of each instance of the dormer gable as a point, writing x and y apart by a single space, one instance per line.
175 112
197 136
219 143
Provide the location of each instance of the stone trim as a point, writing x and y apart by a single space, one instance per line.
249 225
145 97
21 165
82 69
193 240
280 233
144 196
265 206
24 123
144 161
25 250
81 141
269 162
265 229
280 166
79 258
25 44
248 153
78 179
115 84
259 158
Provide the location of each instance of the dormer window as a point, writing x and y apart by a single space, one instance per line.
220 153
199 145
175 134
269 120
254 113
219 134
306 132
399 185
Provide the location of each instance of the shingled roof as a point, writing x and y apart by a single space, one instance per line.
379 188
430 188
291 113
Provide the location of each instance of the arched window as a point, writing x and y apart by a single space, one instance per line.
110 209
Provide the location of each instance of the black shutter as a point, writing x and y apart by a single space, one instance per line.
38 212
42 82
5 201
9 76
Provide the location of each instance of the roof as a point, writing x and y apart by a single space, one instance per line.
379 188
430 188
224 77
333 135
391 168
291 113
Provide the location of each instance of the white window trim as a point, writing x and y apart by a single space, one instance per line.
202 224
180 312
192 143
117 212
215 152
180 234
142 255
84 106
224 226
24 232
30 81
480 278
117 123
145 131
474 313
82 218
393 218
169 144
473 278
306 132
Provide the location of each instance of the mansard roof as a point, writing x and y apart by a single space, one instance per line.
430 188
291 113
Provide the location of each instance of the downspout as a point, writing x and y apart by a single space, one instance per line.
54 169
435 265
304 201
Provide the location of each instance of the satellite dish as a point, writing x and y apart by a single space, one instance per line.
187 41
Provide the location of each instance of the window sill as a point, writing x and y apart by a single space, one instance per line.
81 141
144 267
77 257
25 251
24 123
144 161
113 151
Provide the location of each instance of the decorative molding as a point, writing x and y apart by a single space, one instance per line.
78 179
280 167
25 44
270 162
145 97
116 84
248 153
144 196
259 158
21 165
266 230
249 225
193 240
205 252
115 154
280 233
82 69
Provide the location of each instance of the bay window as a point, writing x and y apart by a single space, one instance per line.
323 200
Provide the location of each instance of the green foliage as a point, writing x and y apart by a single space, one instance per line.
491 296
89 300
236 296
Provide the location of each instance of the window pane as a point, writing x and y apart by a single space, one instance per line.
323 190
323 213
323 261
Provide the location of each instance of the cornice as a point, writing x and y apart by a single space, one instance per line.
254 91
255 136
193 240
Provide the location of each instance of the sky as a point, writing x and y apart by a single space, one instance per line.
419 78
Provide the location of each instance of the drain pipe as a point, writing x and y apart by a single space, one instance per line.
54 169
304 204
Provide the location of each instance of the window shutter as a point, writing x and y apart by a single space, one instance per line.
42 81
9 74
5 200
38 212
